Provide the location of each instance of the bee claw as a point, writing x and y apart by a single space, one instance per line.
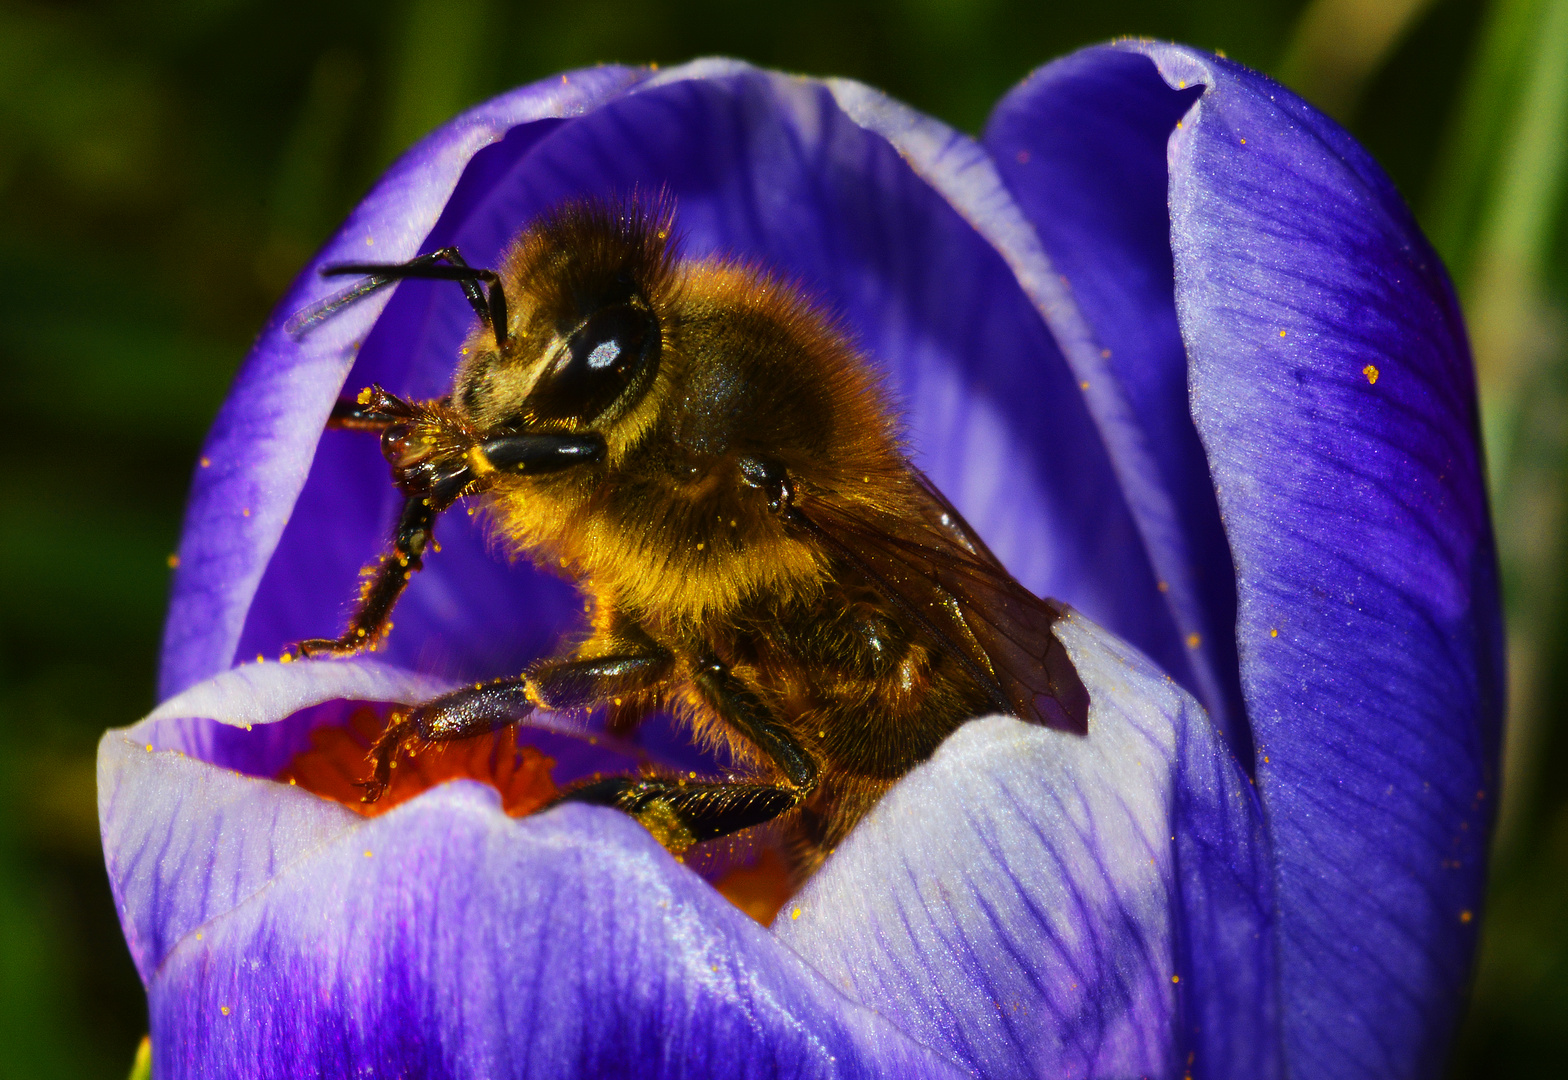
400 734
311 648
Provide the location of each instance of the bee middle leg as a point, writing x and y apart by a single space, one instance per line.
476 710
680 813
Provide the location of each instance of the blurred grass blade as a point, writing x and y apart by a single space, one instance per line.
1339 44
1498 197
436 67
141 1068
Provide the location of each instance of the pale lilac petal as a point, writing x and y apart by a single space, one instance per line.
1035 904
448 940
1081 147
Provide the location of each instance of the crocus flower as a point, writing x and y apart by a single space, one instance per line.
1173 344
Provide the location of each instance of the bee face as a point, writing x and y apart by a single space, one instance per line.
586 287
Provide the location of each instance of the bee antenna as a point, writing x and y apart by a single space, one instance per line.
444 265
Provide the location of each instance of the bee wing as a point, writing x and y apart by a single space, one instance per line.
942 577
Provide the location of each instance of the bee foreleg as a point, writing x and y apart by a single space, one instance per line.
383 585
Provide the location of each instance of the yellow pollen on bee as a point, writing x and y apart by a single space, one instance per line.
1371 373
1194 640
865 479
149 748
364 396
478 462
732 523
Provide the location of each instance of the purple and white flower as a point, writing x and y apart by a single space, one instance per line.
1174 345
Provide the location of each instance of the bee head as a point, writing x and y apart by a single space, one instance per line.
584 287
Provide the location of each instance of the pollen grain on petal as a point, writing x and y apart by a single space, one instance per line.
1371 373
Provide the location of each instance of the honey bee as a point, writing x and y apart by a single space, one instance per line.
706 453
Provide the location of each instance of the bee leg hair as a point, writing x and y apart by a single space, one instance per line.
475 710
386 583
680 813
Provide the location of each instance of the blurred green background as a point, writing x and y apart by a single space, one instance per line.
165 168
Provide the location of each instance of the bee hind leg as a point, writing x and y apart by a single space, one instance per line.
680 813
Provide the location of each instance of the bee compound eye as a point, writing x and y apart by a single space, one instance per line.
614 350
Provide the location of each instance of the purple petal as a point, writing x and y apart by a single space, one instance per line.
1168 610
1037 905
1067 879
1081 145
769 168
259 450
1332 387
184 840
448 940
